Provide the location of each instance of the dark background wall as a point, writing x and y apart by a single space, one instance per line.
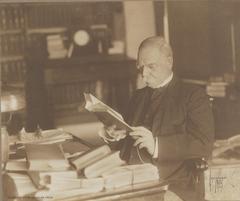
203 35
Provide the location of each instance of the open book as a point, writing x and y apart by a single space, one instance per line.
227 150
104 113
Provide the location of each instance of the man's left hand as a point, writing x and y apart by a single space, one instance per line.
143 139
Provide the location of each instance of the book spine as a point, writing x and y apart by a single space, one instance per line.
8 17
3 18
16 18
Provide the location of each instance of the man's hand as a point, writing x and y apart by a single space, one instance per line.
143 139
111 134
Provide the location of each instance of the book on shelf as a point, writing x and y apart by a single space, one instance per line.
90 157
130 175
104 113
18 184
55 46
46 157
12 17
105 164
42 179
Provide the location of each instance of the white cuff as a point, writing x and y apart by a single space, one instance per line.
155 153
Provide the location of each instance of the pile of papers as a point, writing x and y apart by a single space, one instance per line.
226 151
44 137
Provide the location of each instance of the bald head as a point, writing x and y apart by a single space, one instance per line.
155 61
159 43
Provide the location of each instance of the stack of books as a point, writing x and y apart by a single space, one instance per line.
55 47
102 163
46 172
217 89
130 175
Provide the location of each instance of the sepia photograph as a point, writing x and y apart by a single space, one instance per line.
125 100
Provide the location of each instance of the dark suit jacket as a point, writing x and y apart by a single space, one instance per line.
183 123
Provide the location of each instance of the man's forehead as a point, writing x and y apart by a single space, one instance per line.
153 47
150 54
149 47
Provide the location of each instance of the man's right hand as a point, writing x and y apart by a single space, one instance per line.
111 134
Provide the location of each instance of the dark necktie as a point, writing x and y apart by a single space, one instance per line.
153 105
156 93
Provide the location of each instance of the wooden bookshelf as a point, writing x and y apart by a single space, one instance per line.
12 39
55 86
104 76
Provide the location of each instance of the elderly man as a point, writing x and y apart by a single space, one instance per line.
172 122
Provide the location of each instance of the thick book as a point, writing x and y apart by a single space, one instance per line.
43 178
130 175
105 164
68 183
91 157
44 157
105 114
18 185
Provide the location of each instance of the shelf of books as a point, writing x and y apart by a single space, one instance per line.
109 78
12 40
25 27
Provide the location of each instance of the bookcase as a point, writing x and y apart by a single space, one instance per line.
12 40
53 81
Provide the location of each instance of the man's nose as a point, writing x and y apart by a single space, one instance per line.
145 71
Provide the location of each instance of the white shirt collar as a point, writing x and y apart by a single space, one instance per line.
166 81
